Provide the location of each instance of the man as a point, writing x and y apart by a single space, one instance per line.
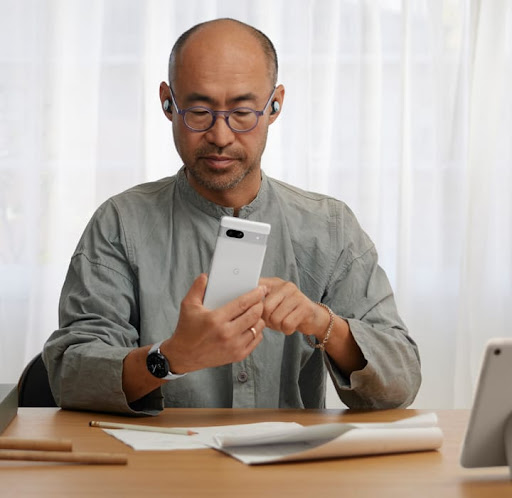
133 329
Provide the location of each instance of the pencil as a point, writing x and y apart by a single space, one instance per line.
144 428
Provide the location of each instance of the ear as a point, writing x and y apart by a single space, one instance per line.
278 99
165 99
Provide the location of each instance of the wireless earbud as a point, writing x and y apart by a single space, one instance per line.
275 107
167 105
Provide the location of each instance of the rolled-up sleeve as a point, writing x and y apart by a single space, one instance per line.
98 319
360 292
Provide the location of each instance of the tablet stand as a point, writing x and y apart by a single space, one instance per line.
508 443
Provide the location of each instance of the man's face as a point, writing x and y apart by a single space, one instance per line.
216 72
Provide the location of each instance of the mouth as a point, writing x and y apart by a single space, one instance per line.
218 162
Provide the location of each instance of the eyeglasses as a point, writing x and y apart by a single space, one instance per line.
240 120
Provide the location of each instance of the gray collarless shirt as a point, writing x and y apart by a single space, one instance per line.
138 257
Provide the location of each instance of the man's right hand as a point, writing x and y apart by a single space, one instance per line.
203 338
208 338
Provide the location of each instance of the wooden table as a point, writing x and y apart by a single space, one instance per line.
208 473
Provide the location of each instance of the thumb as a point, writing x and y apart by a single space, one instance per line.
196 292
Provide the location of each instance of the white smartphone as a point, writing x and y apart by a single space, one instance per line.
237 260
484 442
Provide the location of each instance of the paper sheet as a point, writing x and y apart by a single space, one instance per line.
270 442
357 442
336 440
151 441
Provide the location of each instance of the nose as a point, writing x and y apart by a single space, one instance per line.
220 134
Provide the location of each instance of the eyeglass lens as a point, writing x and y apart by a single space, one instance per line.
201 119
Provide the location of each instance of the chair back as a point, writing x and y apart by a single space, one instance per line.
34 386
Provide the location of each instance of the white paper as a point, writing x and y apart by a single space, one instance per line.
269 442
336 440
151 441
357 442
314 433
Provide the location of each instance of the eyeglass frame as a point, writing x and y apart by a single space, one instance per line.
225 114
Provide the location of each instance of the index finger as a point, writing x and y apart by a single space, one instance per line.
269 282
241 304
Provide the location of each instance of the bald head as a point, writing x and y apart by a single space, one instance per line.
233 32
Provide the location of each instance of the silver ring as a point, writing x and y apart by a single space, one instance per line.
253 330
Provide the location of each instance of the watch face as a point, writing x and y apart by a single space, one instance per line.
157 364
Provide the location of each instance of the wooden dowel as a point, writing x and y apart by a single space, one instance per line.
15 443
64 456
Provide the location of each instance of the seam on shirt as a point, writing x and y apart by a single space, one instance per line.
333 256
303 193
333 237
99 263
159 185
332 211
333 230
345 268
129 249
351 262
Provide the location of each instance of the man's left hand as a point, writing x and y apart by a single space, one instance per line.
287 309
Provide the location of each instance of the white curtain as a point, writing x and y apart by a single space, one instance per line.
401 108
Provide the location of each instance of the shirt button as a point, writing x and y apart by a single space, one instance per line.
242 376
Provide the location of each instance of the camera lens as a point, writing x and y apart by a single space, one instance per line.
237 234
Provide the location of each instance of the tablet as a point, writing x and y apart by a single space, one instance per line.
8 404
484 442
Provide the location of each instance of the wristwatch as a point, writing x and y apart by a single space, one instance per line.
158 365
